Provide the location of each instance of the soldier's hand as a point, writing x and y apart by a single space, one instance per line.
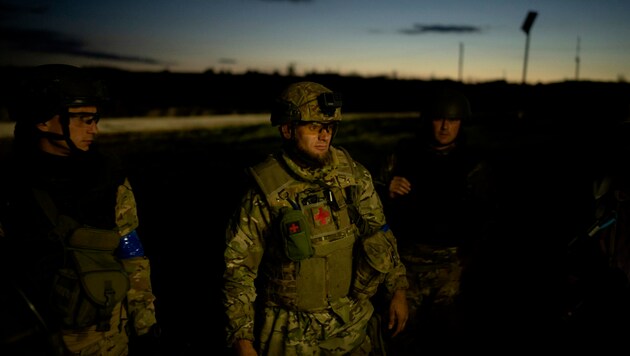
244 347
398 312
399 186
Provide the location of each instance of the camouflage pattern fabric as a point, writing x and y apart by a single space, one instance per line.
289 333
126 211
304 96
140 298
433 274
339 329
89 342
380 263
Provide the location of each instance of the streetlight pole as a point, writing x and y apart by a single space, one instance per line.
527 25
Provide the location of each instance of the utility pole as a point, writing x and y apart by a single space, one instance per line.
527 25
577 60
461 61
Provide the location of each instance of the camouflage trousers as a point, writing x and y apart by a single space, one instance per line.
433 275
341 332
434 283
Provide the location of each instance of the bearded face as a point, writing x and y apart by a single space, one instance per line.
311 141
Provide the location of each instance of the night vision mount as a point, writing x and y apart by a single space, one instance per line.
329 102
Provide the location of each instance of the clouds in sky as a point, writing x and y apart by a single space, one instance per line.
419 29
405 38
50 41
42 40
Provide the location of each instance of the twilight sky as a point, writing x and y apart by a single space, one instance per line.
470 40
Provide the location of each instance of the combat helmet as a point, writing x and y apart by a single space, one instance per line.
52 88
447 104
49 90
306 101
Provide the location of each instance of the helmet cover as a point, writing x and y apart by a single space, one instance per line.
306 101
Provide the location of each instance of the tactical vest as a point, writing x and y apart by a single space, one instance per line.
316 282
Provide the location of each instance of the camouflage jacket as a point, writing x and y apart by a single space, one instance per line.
251 259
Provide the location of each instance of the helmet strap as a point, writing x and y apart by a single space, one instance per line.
64 121
288 128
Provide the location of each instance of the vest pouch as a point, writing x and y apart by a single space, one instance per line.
296 235
102 276
94 239
88 289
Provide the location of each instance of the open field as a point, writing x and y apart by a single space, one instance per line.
188 180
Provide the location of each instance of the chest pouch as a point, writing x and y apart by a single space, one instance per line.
93 282
296 234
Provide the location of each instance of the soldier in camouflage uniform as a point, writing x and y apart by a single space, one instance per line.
66 209
596 294
309 244
437 195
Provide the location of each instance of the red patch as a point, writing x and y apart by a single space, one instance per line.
321 216
293 228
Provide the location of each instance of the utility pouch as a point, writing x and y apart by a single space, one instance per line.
86 291
296 235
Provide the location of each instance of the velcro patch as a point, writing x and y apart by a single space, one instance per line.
321 215
293 227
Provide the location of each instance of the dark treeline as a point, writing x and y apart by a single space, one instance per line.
183 94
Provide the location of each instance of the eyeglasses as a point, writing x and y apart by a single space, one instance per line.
84 118
317 127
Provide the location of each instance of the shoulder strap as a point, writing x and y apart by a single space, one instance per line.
47 204
350 168
271 178
62 224
347 165
352 194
